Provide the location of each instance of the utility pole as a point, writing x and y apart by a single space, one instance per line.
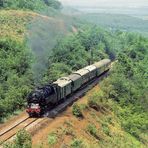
91 56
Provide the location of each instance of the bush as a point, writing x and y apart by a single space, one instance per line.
76 110
91 128
76 143
97 101
23 139
52 139
105 129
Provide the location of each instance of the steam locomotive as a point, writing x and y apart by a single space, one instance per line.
41 98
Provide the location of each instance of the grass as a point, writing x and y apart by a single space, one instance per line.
92 129
68 123
98 102
111 131
122 141
101 130
13 23
106 129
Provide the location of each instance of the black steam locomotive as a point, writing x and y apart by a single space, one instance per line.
49 95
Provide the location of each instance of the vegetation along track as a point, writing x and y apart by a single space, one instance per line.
27 122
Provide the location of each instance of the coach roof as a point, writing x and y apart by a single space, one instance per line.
63 81
82 72
74 77
90 68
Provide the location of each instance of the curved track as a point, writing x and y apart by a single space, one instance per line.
11 131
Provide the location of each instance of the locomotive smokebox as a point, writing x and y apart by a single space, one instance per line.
40 94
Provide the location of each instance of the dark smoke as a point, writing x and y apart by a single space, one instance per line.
43 34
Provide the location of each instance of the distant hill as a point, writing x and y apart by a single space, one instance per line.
117 21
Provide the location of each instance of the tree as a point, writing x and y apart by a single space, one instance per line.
30 4
2 3
53 3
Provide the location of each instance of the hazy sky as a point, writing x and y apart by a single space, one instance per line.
123 3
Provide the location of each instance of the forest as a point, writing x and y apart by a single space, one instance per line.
118 21
128 84
30 5
125 88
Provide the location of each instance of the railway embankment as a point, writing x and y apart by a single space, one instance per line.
96 127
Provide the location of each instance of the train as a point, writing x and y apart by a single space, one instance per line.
47 96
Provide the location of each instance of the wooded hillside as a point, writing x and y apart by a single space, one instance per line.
124 92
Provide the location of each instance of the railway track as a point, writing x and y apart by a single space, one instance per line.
27 122
2 132
10 132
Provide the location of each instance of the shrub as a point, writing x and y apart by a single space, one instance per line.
76 110
109 119
83 106
76 143
91 128
52 138
105 129
7 145
97 101
23 139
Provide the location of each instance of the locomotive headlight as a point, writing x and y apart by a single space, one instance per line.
34 106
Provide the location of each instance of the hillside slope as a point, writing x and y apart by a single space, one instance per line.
116 116
99 128
14 22
118 21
